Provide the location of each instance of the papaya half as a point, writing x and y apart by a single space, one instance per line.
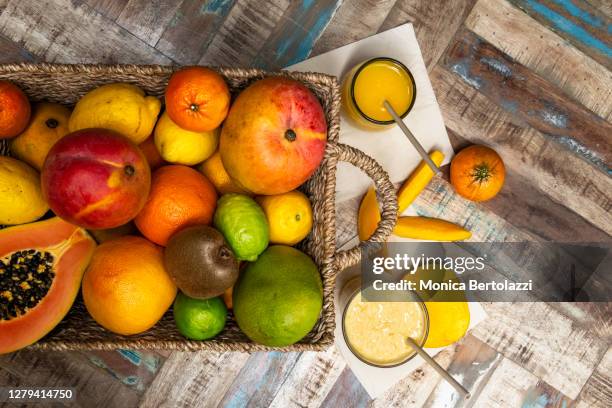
41 267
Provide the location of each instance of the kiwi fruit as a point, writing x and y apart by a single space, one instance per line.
200 262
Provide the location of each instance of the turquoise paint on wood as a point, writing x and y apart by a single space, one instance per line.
530 99
259 380
293 40
577 22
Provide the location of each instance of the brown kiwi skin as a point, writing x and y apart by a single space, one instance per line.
200 262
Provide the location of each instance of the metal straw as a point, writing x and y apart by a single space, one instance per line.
460 389
411 137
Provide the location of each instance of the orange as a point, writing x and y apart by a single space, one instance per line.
197 99
213 169
477 173
14 110
151 153
126 288
180 197
49 123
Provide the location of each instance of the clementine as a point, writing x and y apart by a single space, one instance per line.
197 99
477 173
126 288
14 110
180 197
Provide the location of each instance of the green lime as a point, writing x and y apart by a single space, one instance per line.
278 298
199 319
243 224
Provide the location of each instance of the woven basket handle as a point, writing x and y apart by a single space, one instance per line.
386 196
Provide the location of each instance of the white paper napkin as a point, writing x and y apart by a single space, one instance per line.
389 147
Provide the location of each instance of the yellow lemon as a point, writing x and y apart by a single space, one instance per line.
21 198
289 216
49 123
123 108
448 321
213 169
177 145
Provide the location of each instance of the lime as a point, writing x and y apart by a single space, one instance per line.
199 319
278 299
243 224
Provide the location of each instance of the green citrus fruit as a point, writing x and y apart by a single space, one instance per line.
278 299
243 224
199 319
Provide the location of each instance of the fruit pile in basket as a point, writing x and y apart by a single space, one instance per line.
194 204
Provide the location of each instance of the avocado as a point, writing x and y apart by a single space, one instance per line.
200 262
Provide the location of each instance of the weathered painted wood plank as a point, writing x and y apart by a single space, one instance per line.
597 392
12 52
472 365
109 8
146 19
259 380
604 6
193 26
244 33
292 40
513 386
526 208
562 176
194 379
310 380
544 342
134 368
577 21
346 392
548 55
530 98
64 31
435 23
62 369
370 14
414 390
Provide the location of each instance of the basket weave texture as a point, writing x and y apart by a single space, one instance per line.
65 84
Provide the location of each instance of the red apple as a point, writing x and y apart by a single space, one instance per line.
274 136
96 178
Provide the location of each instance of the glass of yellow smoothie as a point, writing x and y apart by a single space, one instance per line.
376 332
366 86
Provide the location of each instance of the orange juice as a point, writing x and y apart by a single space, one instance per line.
369 84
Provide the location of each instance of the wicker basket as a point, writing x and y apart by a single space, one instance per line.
67 83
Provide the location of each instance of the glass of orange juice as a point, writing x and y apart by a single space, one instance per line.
367 85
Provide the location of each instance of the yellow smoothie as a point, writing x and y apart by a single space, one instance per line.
376 331
369 84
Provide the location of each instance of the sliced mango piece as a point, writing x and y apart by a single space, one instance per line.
369 215
417 181
431 229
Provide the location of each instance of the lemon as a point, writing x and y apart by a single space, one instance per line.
214 171
448 321
177 145
21 198
289 216
121 107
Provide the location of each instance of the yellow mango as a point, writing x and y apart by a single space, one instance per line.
431 229
417 181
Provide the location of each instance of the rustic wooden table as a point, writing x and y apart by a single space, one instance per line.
530 78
